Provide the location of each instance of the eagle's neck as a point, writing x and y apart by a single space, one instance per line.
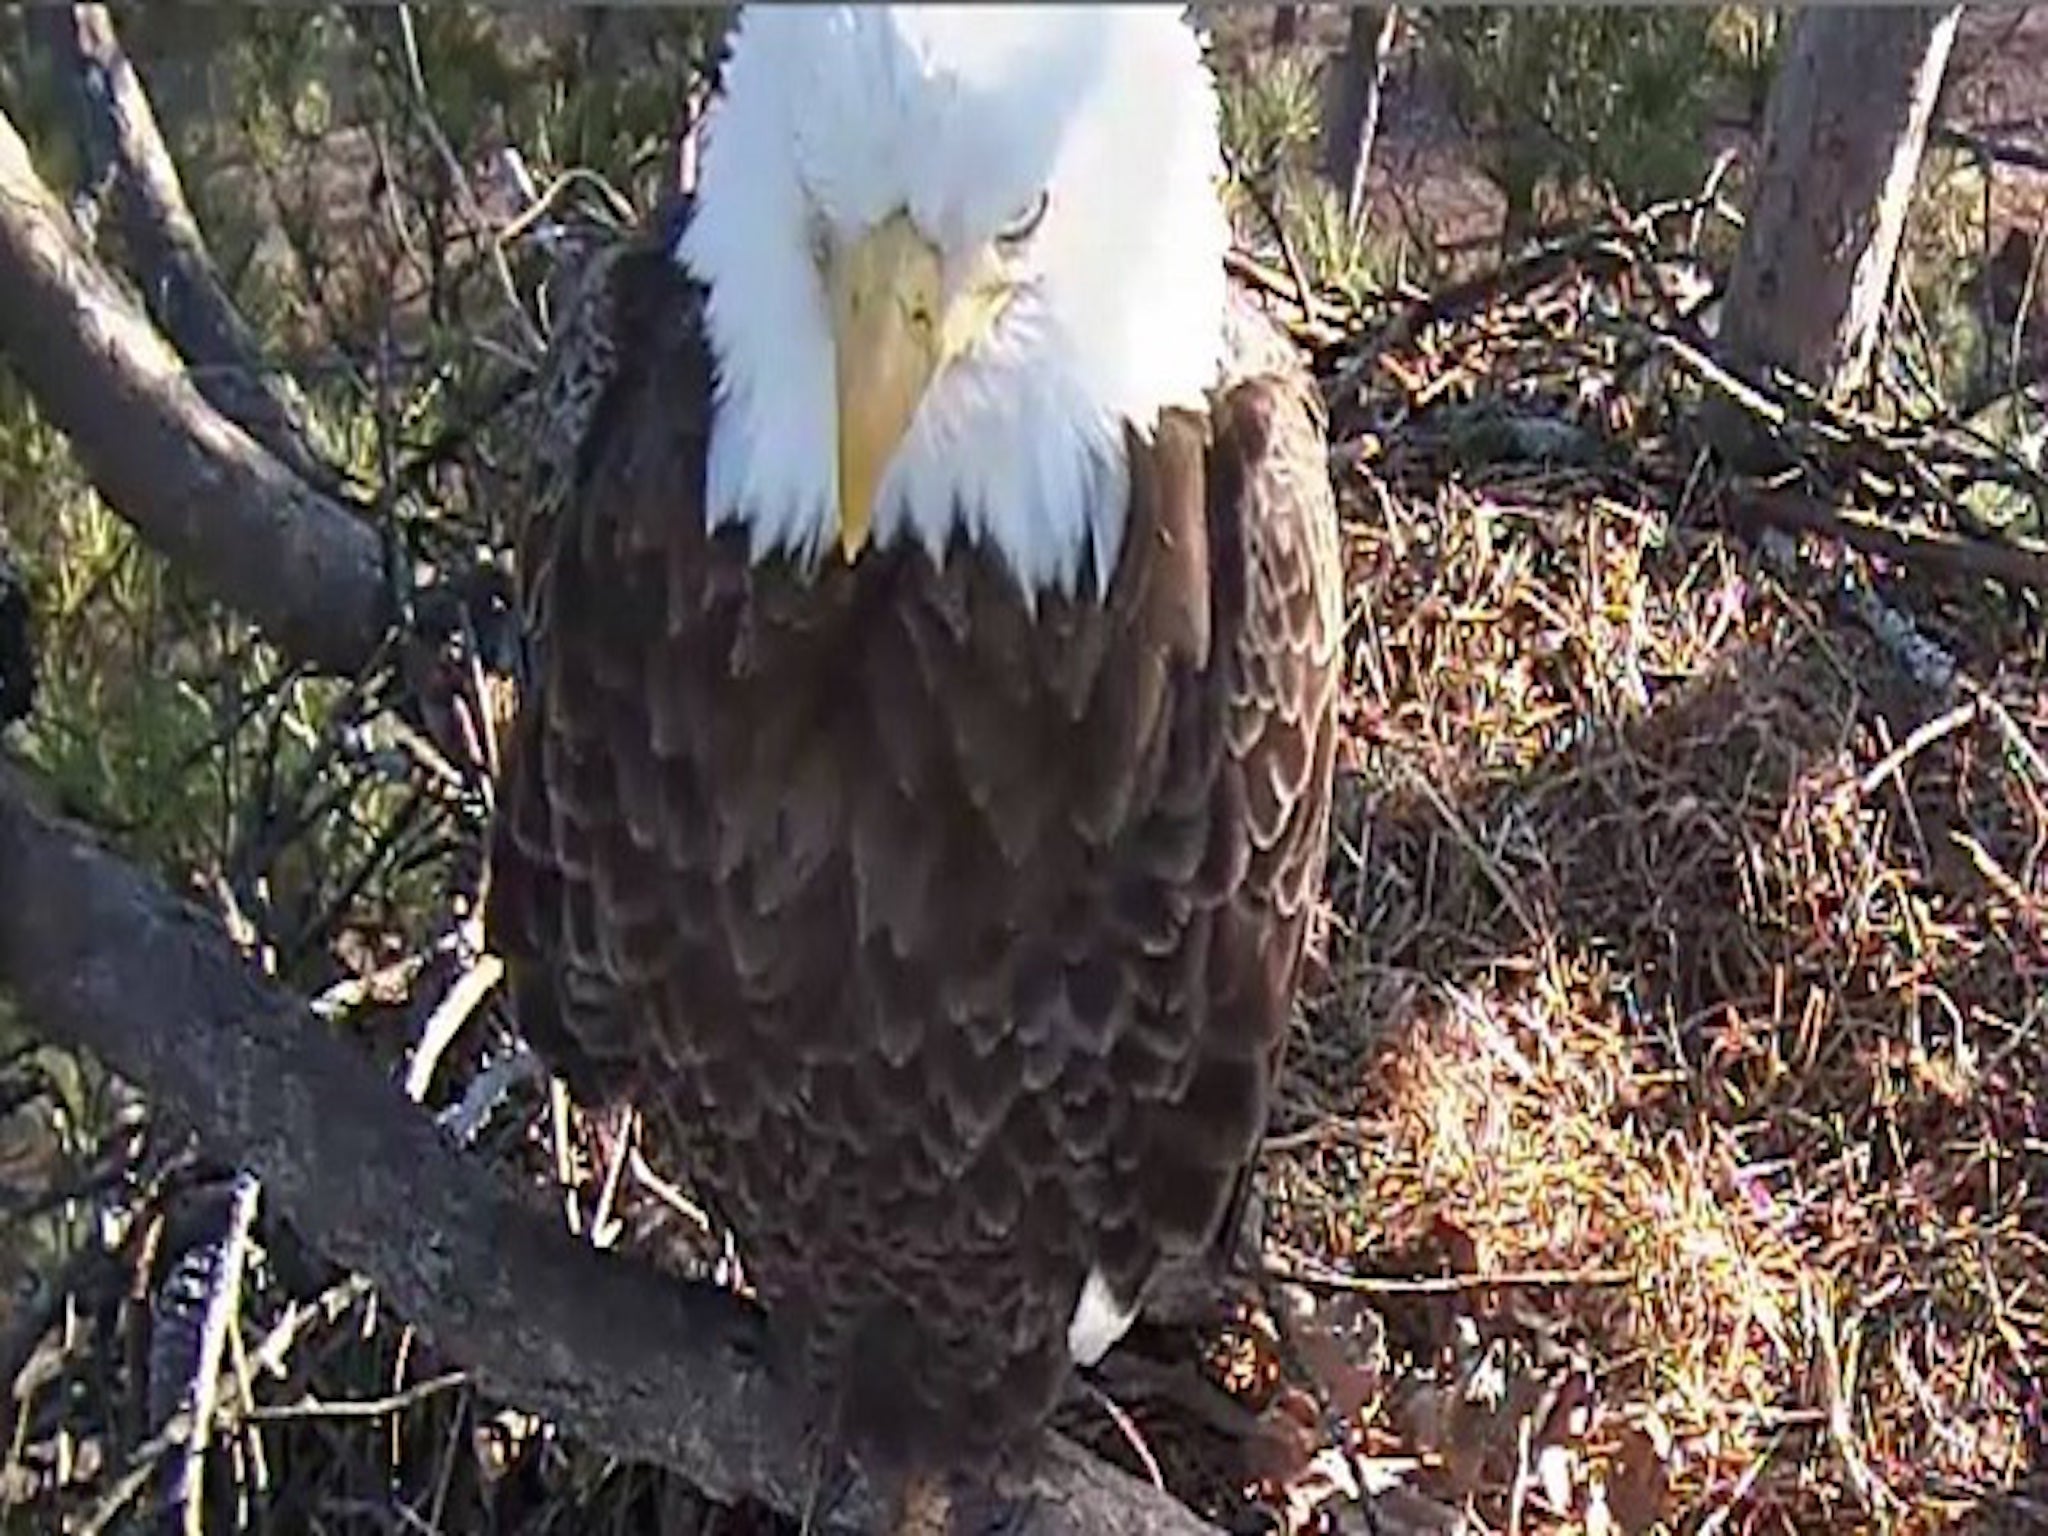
1016 455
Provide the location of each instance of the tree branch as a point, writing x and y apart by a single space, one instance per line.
195 485
2018 562
642 1364
167 254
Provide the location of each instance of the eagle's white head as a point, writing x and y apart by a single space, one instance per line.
952 253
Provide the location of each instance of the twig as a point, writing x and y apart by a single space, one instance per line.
1368 48
179 1426
1128 1429
1608 248
142 1465
222 1299
1496 876
605 1226
1997 151
1923 737
1304 291
2021 745
458 180
615 202
1320 1277
310 1407
1819 1310
1702 367
1247 268
446 1021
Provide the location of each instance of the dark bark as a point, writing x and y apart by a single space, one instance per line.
196 486
17 647
166 252
643 1364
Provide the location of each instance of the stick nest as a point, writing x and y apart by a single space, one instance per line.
1663 1144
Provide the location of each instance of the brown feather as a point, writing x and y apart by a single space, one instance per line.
950 947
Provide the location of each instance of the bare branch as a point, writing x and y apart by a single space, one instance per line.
166 251
458 180
2021 563
643 1364
193 483
196 1304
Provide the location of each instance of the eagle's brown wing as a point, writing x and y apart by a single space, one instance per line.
946 942
540 912
1280 603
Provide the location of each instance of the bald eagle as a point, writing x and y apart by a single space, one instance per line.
921 783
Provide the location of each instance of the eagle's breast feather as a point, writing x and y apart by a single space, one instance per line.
946 942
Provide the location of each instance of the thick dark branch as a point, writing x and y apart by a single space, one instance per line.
642 1365
192 482
2021 563
166 253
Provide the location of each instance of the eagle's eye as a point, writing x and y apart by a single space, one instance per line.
1025 225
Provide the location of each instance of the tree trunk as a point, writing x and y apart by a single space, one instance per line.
1353 119
1843 134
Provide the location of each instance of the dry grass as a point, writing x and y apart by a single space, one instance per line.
1695 1027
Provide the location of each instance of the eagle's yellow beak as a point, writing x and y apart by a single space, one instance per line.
886 291
892 329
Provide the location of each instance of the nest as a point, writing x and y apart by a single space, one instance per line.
1663 1141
